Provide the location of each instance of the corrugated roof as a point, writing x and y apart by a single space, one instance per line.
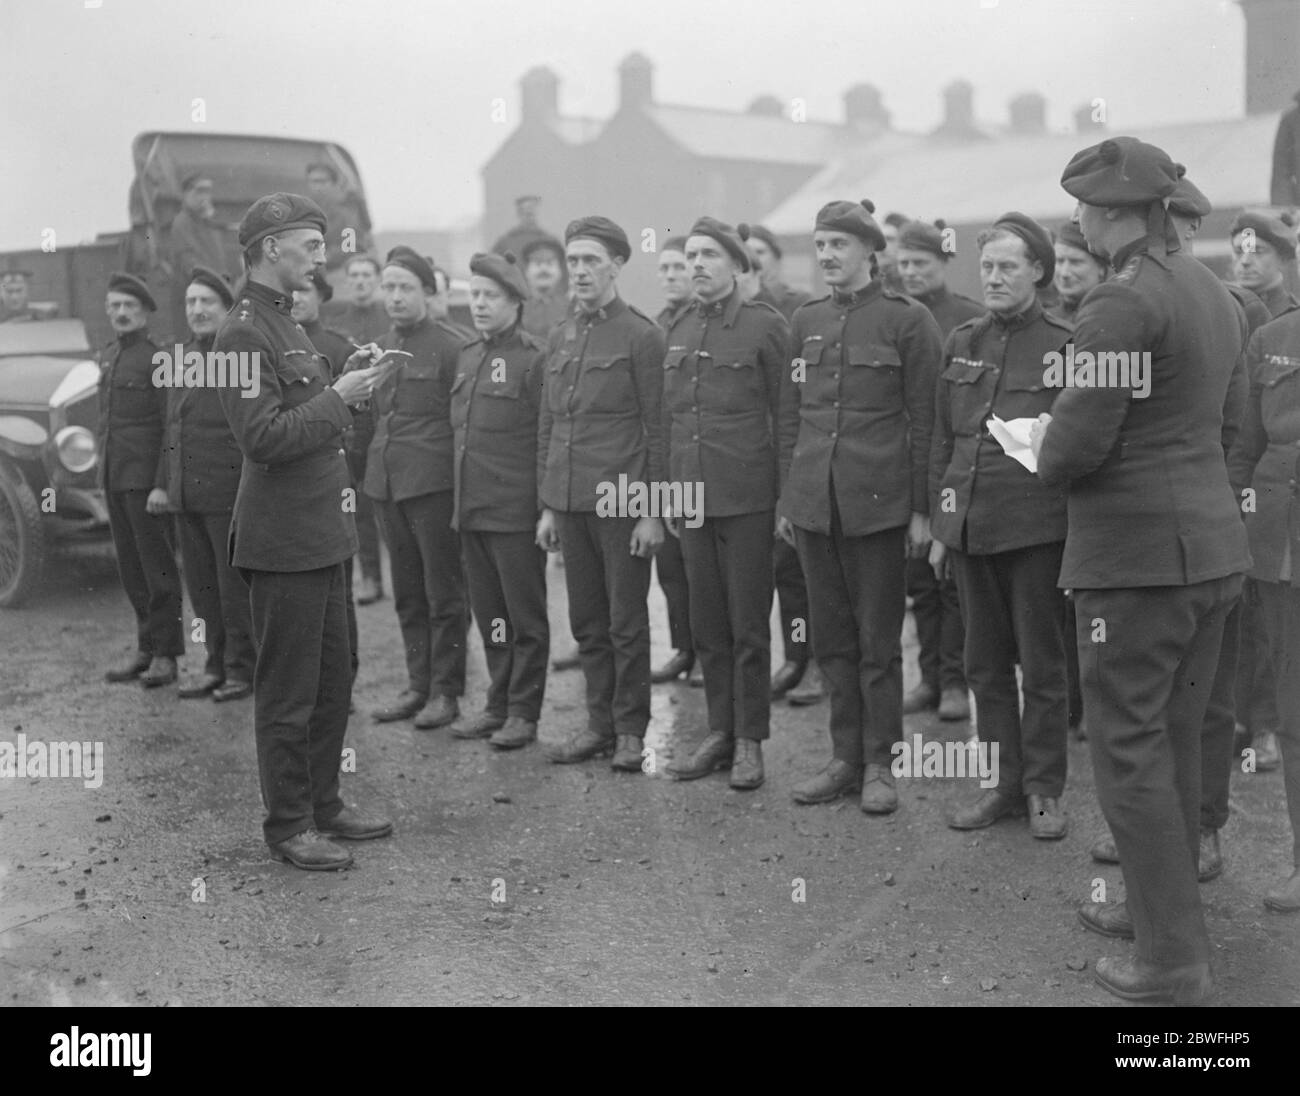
730 135
1229 160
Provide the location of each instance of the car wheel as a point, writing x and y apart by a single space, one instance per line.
22 538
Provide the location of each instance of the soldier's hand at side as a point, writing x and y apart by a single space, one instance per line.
647 536
918 536
785 530
156 503
673 524
1037 431
939 560
356 387
548 534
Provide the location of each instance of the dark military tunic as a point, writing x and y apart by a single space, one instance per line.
411 453
290 537
949 308
1006 528
495 401
132 411
859 425
601 418
203 469
363 323
601 415
129 444
494 411
722 384
784 299
541 314
1278 300
1154 552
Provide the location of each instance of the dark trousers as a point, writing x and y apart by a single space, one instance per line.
301 690
607 588
367 518
506 573
354 638
1217 732
1146 688
729 568
671 571
428 591
1256 683
940 634
218 594
1279 604
1074 702
1015 613
792 601
146 561
857 599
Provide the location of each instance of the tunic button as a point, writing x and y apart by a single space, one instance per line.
836 403
694 408
835 433
343 453
695 437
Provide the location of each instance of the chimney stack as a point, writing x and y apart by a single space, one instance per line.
635 82
539 94
958 111
1028 113
864 107
1272 53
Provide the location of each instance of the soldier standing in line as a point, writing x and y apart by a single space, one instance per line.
857 408
924 251
602 420
675 281
409 473
363 319
1003 530
795 680
548 287
203 467
1078 270
292 534
15 288
722 383
335 349
495 400
133 473
1154 551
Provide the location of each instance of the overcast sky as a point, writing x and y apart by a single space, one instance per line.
408 85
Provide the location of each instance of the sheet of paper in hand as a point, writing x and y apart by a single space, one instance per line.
1013 436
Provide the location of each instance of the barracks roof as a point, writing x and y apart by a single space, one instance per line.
969 183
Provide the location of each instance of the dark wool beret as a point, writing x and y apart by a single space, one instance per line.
1120 171
1273 226
1072 236
603 231
121 282
279 213
411 260
919 236
730 238
1038 241
759 232
541 243
201 275
502 269
854 218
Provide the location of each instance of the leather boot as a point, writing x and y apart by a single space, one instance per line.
878 794
515 733
921 699
954 705
1209 857
1107 919
129 670
837 779
811 690
162 671
1139 980
1046 819
483 725
1286 898
747 765
714 753
405 706
438 712
1103 850
581 746
311 852
787 677
627 754
355 824
987 809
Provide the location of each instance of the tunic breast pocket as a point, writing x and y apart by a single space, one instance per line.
969 395
874 381
606 385
735 382
417 391
500 405
1279 399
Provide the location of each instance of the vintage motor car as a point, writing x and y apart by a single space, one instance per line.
49 403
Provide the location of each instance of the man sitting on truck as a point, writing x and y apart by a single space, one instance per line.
15 287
